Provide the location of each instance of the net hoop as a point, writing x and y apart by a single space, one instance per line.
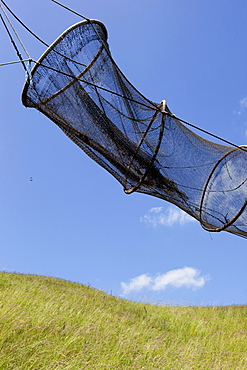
139 183
200 213
51 48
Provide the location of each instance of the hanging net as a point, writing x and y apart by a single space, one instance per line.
77 84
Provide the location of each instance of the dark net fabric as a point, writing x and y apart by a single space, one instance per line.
79 87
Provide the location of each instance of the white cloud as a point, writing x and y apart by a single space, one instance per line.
169 217
136 284
242 105
243 102
188 277
156 209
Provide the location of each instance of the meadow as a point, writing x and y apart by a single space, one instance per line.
49 324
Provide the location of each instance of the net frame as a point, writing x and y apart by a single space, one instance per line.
159 119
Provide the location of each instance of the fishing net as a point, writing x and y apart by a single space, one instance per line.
77 84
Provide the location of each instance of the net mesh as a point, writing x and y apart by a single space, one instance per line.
77 84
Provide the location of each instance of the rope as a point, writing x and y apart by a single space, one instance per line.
37 37
16 34
28 29
13 43
71 10
208 133
146 106
16 61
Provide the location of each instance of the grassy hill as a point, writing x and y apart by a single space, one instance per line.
48 324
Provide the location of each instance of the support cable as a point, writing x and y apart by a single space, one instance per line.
147 106
23 24
244 148
13 43
17 61
71 10
33 34
13 29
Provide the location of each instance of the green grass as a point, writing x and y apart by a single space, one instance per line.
48 324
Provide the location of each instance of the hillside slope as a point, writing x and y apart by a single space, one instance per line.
48 324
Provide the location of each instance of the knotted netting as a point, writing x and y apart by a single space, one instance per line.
77 84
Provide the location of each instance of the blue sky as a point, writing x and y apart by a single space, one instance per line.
73 221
